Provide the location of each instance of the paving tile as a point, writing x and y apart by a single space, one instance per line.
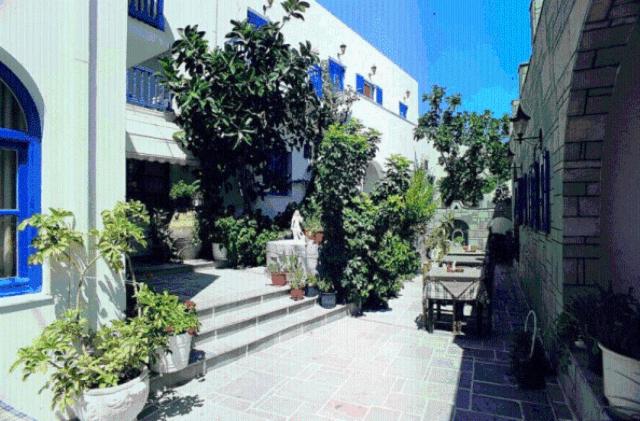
461 415
463 399
382 414
278 405
267 416
327 376
250 386
509 392
416 351
409 368
494 406
438 411
444 375
492 373
533 412
343 410
365 389
409 404
307 390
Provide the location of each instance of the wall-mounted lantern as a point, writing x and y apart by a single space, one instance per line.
343 49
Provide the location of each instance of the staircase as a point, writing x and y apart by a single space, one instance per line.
243 322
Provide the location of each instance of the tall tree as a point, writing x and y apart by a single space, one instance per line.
473 147
240 104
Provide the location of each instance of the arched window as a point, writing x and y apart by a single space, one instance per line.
19 184
460 232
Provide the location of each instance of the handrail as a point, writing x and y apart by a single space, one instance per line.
148 11
144 89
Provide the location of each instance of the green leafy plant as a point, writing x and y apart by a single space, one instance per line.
165 315
437 242
473 148
183 193
245 240
57 240
312 280
325 285
297 277
81 360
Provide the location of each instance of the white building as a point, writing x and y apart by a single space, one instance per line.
70 137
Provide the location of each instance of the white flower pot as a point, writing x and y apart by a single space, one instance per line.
176 358
621 381
123 402
219 252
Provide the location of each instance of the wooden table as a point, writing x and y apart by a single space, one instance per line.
441 286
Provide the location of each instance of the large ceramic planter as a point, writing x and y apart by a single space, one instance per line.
183 233
621 381
219 252
177 357
328 299
123 402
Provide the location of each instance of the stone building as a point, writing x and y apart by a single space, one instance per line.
575 170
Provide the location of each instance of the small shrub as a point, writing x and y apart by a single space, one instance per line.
183 193
245 240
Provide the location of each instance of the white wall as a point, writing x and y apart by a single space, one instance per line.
47 45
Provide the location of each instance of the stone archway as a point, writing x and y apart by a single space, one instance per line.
604 43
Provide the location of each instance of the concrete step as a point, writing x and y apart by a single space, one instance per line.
225 323
168 268
224 350
234 302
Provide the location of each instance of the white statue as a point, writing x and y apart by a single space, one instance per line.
296 228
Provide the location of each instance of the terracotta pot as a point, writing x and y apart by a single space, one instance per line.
621 381
279 278
297 294
123 402
176 357
317 237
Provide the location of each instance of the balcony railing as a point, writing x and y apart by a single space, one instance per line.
148 11
145 89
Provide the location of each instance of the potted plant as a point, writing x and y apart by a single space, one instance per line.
221 230
97 374
296 278
529 364
327 293
184 227
618 335
172 326
313 229
311 288
278 269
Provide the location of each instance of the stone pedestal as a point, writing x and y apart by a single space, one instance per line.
306 251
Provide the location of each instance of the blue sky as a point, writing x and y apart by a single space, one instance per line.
471 47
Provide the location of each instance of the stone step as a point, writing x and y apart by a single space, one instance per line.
230 348
225 323
168 268
221 351
237 301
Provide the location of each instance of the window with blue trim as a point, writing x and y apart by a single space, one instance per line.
403 110
336 75
278 176
19 185
256 19
368 89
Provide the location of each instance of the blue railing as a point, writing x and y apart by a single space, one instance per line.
144 89
148 11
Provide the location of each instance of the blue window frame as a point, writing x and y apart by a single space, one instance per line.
368 89
255 19
278 177
403 110
315 74
336 75
20 161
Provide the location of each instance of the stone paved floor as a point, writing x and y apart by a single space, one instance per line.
376 367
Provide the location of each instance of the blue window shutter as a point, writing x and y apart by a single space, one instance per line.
403 110
279 173
359 84
336 75
316 79
255 19
379 95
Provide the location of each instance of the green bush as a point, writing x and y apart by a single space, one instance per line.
245 240
183 193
